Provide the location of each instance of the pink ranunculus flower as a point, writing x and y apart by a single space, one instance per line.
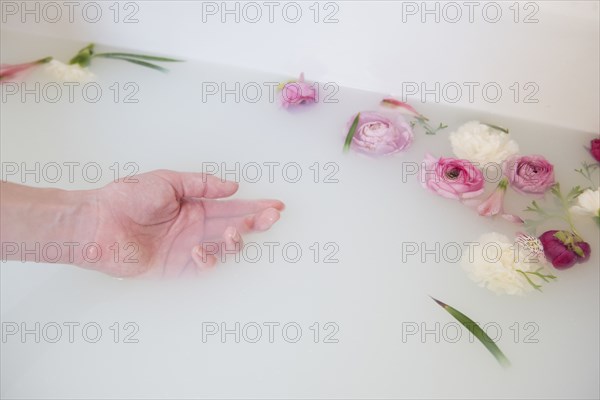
378 135
451 177
298 92
529 174
9 72
595 149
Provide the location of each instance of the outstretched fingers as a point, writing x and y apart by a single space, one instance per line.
199 185
261 221
205 255
203 259
239 208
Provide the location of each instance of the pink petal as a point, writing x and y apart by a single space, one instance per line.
397 103
512 218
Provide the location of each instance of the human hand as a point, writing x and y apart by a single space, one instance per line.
159 223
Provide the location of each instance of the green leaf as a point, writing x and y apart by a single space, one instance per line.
140 56
532 283
83 56
573 194
587 170
544 277
139 62
351 133
422 120
499 128
477 332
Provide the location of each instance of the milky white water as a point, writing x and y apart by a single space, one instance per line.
369 296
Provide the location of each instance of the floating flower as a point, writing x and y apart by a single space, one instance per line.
8 72
532 245
76 69
69 72
529 174
494 204
298 92
595 149
451 178
84 57
564 249
482 143
588 203
503 266
375 134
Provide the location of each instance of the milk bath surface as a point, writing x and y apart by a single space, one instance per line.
332 289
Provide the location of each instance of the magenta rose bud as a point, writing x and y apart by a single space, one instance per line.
378 135
529 174
298 92
564 249
451 177
595 149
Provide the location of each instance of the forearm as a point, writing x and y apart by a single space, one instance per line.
46 225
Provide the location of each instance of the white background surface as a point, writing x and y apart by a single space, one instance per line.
376 45
370 293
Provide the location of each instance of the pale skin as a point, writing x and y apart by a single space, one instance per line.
166 223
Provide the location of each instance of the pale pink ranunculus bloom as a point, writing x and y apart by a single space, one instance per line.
529 174
452 178
377 134
298 92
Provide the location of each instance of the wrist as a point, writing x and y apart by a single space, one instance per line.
46 225
77 226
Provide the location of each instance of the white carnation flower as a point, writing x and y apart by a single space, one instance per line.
588 203
496 264
482 144
69 73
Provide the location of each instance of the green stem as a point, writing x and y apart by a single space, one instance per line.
567 216
139 56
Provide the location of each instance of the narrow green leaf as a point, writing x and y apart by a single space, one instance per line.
501 129
139 62
351 133
140 56
532 283
477 332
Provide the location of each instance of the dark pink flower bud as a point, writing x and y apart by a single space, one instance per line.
595 149
564 249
